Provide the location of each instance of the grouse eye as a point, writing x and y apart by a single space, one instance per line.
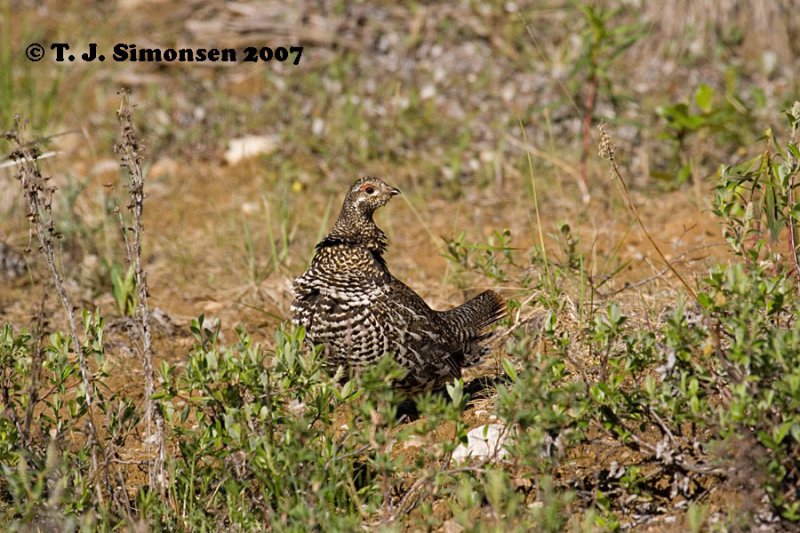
369 189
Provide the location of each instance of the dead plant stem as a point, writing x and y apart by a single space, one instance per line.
38 196
607 152
131 152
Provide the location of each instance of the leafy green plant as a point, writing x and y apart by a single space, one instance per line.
759 357
491 259
756 199
708 117
721 375
46 464
731 375
245 419
124 289
602 41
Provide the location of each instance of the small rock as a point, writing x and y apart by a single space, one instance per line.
428 91
414 441
211 306
106 166
508 92
451 526
483 442
250 208
297 407
129 5
165 166
249 146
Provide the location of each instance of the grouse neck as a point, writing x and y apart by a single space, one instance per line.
357 229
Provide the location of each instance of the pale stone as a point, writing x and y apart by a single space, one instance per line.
483 442
249 146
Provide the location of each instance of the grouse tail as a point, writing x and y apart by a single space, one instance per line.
471 318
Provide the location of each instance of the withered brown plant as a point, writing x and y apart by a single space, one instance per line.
131 150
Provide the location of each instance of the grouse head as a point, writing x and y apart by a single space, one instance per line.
355 224
368 194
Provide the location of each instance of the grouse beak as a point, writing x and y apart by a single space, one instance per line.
393 191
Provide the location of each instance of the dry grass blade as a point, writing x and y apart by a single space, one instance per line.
607 153
795 113
45 155
549 157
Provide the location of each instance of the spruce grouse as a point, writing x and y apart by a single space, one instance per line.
349 302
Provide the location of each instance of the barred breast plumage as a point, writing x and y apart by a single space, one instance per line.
349 302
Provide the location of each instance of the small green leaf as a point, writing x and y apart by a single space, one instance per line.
510 370
704 97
